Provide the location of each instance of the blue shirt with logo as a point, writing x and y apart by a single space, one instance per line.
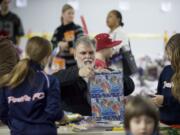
33 106
170 110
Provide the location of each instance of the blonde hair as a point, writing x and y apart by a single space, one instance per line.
37 49
138 106
173 46
64 9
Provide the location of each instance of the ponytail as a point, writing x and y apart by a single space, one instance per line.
17 75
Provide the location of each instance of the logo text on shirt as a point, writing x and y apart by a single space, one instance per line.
167 85
26 98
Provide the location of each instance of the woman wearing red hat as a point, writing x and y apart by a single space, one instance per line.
104 45
104 49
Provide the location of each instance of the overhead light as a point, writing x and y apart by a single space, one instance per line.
21 3
166 5
74 4
124 5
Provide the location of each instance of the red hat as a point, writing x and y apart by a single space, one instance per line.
103 41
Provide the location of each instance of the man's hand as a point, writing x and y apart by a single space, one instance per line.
63 45
64 120
86 71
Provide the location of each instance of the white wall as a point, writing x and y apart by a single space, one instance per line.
144 16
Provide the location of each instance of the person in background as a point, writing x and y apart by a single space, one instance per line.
8 56
115 23
74 88
104 51
168 90
141 117
30 99
10 23
8 59
66 35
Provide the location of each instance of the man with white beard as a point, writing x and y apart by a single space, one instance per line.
73 81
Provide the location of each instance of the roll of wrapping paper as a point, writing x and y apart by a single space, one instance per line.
85 30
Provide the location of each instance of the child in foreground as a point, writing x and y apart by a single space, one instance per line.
30 99
141 117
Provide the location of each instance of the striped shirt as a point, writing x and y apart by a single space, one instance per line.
61 34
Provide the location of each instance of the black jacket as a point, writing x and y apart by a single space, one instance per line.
74 90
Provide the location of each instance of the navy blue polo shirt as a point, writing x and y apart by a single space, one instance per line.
33 106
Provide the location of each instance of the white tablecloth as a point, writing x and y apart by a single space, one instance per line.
61 131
